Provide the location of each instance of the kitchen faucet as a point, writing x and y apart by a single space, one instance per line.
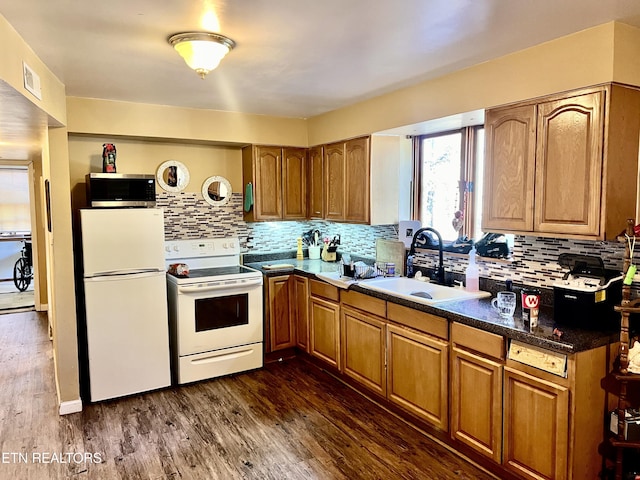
412 252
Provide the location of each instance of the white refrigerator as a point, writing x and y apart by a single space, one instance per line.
125 296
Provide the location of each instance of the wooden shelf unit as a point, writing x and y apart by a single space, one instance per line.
627 307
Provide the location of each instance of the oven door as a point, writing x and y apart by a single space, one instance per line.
218 315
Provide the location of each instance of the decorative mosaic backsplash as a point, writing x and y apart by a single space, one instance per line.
355 239
187 216
534 260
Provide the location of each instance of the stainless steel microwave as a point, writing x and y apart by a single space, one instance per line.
112 190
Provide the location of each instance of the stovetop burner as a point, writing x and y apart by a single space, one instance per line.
217 272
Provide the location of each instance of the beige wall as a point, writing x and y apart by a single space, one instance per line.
62 306
38 226
584 58
608 52
14 51
135 155
626 54
103 117
55 166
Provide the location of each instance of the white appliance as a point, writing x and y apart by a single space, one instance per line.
125 301
215 311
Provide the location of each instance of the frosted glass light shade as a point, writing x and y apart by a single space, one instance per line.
202 51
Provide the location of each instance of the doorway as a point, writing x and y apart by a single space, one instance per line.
16 259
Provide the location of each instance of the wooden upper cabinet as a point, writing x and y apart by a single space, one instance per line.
331 182
316 182
357 178
569 165
267 187
294 183
334 158
279 178
509 168
583 148
347 181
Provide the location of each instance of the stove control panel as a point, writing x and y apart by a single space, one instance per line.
201 248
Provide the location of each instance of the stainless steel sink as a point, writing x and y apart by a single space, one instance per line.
421 292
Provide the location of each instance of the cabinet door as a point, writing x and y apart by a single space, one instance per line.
268 183
417 374
357 179
324 334
294 183
569 165
281 333
535 426
316 183
301 311
334 181
476 403
509 171
363 349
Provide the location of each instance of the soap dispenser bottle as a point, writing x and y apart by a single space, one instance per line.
472 277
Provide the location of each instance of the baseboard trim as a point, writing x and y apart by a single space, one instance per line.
73 406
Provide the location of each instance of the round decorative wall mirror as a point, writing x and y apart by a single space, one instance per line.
172 176
216 191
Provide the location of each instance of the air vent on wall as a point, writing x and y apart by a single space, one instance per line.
31 81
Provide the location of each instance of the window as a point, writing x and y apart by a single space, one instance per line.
449 187
14 199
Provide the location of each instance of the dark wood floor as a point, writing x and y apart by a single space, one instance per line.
287 421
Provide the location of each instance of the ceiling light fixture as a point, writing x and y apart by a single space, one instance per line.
202 51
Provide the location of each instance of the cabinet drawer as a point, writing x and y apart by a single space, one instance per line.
364 302
324 290
424 322
546 360
478 340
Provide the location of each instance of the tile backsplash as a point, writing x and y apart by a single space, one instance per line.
187 216
534 260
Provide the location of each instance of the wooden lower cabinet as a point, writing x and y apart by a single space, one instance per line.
417 374
528 421
536 420
324 331
280 333
363 349
476 402
301 311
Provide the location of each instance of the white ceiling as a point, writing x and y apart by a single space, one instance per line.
296 58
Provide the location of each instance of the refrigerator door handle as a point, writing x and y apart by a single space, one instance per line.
113 275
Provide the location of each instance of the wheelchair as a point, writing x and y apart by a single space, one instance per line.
23 269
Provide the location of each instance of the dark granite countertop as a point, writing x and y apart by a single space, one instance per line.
475 313
305 267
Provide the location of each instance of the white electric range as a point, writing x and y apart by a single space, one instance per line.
215 312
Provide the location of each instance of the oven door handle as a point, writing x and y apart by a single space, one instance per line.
211 288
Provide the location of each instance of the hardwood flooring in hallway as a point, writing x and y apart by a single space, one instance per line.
287 421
